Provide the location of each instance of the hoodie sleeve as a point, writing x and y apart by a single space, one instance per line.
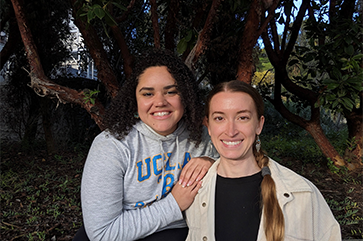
102 192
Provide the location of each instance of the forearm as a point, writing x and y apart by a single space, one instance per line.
131 224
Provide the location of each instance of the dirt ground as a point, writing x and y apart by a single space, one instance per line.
343 192
40 195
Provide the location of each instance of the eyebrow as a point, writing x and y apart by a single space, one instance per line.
239 112
165 88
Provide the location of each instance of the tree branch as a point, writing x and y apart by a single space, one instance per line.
126 13
204 35
170 28
105 72
124 49
154 19
296 29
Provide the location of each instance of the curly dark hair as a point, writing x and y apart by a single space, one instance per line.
120 117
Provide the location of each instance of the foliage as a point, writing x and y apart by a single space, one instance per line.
89 96
187 42
349 210
98 9
333 68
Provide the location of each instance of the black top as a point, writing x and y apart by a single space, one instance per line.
237 208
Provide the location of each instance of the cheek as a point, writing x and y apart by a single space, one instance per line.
142 105
214 130
176 102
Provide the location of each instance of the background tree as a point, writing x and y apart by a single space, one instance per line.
103 25
216 38
336 48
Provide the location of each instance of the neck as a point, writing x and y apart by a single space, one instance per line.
237 168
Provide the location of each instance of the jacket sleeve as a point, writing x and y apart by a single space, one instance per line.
102 195
326 227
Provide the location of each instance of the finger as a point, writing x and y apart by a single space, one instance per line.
186 173
196 188
198 174
195 175
202 173
187 179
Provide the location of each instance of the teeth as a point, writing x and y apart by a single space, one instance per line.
161 113
231 143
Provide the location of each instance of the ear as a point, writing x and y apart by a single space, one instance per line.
205 121
260 125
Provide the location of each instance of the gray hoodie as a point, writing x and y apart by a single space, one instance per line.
126 184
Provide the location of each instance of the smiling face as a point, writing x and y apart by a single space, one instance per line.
158 100
233 124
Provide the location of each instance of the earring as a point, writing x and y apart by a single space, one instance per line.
136 116
258 144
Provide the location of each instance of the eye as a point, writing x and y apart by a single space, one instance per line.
244 118
218 118
172 92
147 94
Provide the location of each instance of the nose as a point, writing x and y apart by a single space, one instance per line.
160 100
231 129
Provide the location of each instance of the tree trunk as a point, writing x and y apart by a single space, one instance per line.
125 53
47 125
354 151
246 67
204 35
253 29
154 19
31 125
170 28
40 83
325 146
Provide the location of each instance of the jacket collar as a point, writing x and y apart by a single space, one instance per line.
286 180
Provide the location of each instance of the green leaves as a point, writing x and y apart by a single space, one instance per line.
349 50
187 41
90 95
98 9
337 60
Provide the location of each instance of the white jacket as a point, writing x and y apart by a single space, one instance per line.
307 215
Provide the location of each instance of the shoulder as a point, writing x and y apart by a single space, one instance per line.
288 179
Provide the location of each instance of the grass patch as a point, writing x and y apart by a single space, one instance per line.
40 195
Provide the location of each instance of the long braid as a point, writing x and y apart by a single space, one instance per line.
274 219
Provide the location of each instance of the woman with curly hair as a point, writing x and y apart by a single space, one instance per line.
154 138
246 195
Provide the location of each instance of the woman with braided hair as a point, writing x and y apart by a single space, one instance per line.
246 195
